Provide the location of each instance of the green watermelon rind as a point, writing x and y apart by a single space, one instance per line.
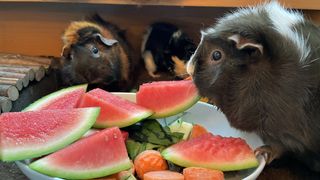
171 111
176 158
42 167
124 122
48 98
89 119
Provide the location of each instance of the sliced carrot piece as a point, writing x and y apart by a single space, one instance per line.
197 130
204 99
163 175
198 173
149 160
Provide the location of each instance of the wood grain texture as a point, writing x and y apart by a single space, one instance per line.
9 91
36 28
311 4
5 104
12 81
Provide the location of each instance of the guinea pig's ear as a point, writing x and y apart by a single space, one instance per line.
107 42
66 52
245 43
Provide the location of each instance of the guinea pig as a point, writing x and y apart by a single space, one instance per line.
166 48
96 52
261 67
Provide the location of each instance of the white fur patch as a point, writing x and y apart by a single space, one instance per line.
282 19
145 39
208 31
149 64
177 34
190 63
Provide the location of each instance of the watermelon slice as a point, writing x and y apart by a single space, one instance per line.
98 155
214 152
125 134
25 135
167 98
67 98
115 111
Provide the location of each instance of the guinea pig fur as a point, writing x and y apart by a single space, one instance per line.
96 52
165 48
261 67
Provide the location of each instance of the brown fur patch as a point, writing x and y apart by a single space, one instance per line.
71 36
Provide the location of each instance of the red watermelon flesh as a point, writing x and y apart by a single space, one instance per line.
210 151
67 98
125 134
167 98
98 155
25 135
115 111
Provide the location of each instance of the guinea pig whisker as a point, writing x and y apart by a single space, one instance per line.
310 62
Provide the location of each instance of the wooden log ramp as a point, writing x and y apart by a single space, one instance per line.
24 77
16 72
9 91
17 59
40 65
19 69
5 104
12 81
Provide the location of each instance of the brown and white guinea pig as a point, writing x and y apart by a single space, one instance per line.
96 52
261 66
166 48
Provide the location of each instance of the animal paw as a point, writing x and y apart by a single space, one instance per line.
267 152
154 75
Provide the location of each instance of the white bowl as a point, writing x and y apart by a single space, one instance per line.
201 113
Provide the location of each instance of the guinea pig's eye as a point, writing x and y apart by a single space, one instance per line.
95 50
216 55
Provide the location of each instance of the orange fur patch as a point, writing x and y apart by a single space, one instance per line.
70 35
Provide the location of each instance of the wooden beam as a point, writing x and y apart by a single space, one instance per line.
299 4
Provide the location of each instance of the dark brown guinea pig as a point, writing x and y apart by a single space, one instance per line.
261 67
96 52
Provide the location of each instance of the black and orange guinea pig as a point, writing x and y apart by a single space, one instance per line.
96 52
166 48
261 66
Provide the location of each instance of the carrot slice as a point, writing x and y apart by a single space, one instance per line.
149 160
197 130
197 173
163 175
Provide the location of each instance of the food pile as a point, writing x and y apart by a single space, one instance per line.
74 134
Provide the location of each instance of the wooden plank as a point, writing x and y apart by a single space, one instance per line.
27 30
299 4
